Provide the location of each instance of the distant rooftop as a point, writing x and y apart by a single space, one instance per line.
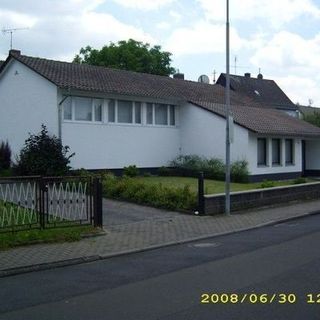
265 92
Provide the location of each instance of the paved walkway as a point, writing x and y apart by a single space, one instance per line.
145 228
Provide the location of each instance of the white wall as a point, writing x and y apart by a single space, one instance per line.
99 146
26 101
203 133
312 155
271 169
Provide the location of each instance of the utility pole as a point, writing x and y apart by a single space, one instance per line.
227 97
11 31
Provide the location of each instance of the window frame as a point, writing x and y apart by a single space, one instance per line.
278 162
265 163
93 112
171 109
168 111
292 162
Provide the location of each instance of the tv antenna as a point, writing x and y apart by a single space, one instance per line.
236 66
11 31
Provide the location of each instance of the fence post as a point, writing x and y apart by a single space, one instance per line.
41 203
201 208
97 202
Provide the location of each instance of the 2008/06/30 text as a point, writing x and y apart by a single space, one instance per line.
257 298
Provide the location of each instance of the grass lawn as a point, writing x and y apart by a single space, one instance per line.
12 216
67 234
211 186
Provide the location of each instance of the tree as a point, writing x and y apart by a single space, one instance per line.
313 118
128 55
5 155
43 154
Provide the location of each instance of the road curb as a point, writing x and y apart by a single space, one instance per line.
87 259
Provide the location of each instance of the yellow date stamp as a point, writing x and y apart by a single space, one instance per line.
250 298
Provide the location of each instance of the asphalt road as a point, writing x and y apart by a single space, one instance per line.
168 283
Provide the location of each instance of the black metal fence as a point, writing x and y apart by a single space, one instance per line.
48 202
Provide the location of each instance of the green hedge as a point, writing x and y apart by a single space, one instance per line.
128 189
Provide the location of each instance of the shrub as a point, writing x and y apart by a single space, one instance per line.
192 162
299 180
131 171
164 171
147 174
6 172
5 156
267 184
126 188
239 171
212 168
43 154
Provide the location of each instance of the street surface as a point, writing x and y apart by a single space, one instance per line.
281 261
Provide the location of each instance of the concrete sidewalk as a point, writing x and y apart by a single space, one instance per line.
137 235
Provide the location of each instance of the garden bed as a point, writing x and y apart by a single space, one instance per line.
173 193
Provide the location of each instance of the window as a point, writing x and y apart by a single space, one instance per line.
161 114
289 151
83 109
97 103
67 109
111 111
276 151
124 111
262 152
137 112
149 113
172 115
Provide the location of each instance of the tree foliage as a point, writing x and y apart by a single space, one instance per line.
5 155
313 118
43 154
128 55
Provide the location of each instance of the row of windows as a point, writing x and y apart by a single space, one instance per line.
276 154
118 111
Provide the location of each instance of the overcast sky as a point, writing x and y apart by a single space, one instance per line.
282 37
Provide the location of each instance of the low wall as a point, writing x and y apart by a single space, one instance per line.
214 204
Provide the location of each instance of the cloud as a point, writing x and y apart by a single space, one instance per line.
50 7
300 89
203 37
289 52
275 12
59 31
175 15
144 5
163 25
295 62
11 19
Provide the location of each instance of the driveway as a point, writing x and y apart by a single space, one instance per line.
117 213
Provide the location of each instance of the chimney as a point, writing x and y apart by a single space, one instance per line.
14 52
260 76
178 76
247 75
